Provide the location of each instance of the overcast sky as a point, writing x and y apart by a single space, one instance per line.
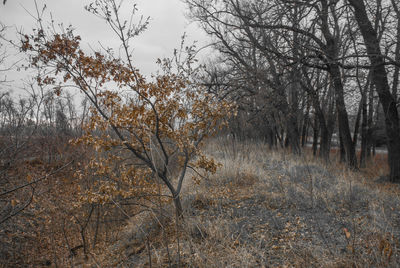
166 27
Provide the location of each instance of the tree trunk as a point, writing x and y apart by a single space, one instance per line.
304 130
271 138
357 124
324 147
178 207
332 52
315 136
319 120
396 72
343 120
380 79
342 150
370 119
293 136
364 130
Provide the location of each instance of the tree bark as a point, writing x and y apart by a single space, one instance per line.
305 126
178 206
332 52
380 79
342 150
315 136
343 120
396 72
364 129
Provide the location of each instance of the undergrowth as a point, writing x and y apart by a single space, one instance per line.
266 208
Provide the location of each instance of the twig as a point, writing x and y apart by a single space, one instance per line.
21 209
37 180
148 251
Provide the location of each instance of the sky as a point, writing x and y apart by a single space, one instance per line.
167 24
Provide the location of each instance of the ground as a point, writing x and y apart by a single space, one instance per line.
265 208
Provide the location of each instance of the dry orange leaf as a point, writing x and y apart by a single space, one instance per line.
346 232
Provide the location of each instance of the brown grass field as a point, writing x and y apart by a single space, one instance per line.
268 208
262 208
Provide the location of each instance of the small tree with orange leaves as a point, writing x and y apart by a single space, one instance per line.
143 132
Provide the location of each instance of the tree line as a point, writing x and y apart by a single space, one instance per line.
299 66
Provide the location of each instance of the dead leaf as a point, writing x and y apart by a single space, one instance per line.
346 232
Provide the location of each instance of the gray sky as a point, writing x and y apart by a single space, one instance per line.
166 27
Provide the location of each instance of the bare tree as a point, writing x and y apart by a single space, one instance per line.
292 38
381 81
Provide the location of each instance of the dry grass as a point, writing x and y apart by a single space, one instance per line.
267 208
